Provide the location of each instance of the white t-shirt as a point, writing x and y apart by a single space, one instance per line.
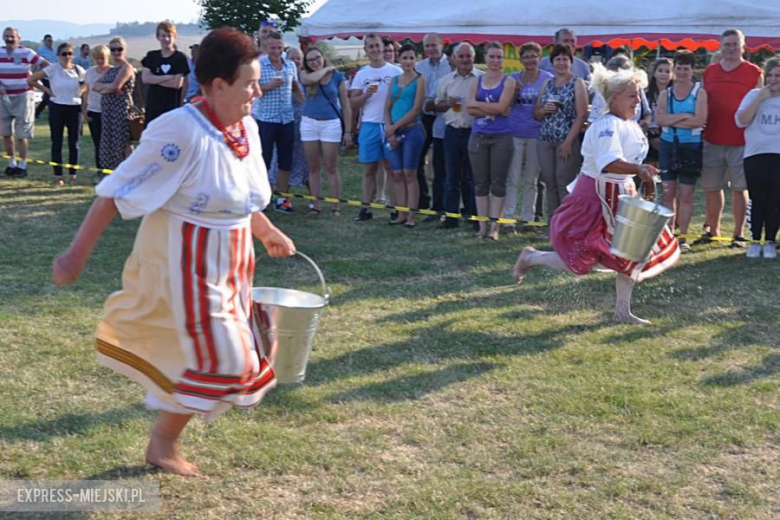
93 98
762 135
374 107
184 167
65 84
611 138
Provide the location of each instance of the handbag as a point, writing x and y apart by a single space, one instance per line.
685 160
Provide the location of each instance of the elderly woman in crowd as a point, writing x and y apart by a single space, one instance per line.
326 123
405 134
92 109
65 90
525 132
490 146
562 108
759 114
198 180
681 112
582 228
116 90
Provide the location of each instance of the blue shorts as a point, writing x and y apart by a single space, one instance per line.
665 162
371 143
406 156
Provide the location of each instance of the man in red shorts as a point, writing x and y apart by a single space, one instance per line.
726 82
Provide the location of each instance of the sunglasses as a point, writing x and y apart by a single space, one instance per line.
117 49
66 54
266 23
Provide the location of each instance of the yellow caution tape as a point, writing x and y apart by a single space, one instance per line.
375 205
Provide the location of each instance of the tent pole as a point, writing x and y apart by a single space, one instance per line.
658 49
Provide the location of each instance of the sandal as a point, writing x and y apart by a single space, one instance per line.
410 225
335 213
313 212
72 181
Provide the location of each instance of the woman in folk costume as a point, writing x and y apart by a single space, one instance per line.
582 228
181 325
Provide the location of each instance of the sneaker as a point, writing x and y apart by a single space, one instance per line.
393 216
432 218
684 246
738 242
283 205
770 251
20 173
363 215
509 229
10 171
754 250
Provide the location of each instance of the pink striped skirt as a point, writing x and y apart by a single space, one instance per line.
582 227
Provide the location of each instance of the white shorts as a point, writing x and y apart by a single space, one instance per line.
328 131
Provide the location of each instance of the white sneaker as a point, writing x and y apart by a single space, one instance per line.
754 250
770 251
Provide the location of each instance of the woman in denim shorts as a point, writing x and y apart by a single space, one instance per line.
405 135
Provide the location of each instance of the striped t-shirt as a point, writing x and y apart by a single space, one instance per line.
15 69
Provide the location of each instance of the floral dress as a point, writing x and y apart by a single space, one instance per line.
115 131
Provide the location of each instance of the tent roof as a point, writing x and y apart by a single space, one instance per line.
691 24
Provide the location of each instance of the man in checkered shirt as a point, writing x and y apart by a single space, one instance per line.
275 114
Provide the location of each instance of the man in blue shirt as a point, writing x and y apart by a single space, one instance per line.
83 60
47 52
193 89
434 68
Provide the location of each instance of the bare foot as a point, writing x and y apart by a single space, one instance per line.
521 266
627 317
166 456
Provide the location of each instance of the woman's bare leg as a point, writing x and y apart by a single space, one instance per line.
330 153
530 257
624 286
163 451
398 189
496 211
412 194
311 150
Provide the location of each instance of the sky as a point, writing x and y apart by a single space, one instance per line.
100 11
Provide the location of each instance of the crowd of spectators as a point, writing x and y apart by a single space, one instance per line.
500 144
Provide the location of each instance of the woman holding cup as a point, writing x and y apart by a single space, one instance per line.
525 132
562 108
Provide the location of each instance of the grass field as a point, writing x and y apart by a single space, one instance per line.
436 390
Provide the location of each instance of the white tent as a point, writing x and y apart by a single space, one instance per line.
672 23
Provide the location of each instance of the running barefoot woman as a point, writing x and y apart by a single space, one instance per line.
582 227
181 326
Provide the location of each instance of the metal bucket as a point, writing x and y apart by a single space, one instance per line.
639 223
287 321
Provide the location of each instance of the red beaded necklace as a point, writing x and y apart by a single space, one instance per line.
239 144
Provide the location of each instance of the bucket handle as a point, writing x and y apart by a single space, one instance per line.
325 291
656 193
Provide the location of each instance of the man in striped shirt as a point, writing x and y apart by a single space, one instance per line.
17 109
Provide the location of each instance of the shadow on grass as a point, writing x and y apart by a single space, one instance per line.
414 386
769 366
70 424
125 472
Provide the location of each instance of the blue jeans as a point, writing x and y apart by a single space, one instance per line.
459 181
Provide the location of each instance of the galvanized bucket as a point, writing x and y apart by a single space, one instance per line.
638 225
287 321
